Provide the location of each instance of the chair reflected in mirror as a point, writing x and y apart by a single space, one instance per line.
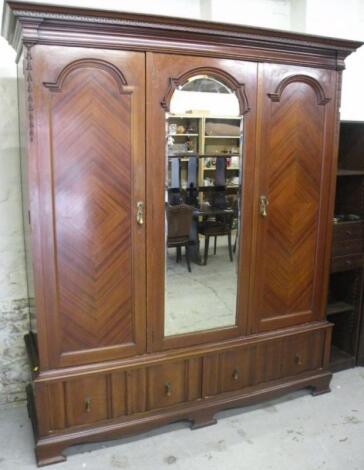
175 197
218 224
179 220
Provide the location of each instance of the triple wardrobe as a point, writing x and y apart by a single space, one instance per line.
178 186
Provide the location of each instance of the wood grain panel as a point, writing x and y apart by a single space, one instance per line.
56 400
92 187
43 404
92 174
270 361
210 380
194 378
293 114
136 391
118 394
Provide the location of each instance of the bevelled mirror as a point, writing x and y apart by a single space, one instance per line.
202 207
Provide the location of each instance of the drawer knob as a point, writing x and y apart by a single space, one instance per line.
235 374
298 360
87 405
168 389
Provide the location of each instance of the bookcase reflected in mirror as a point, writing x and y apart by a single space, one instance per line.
203 183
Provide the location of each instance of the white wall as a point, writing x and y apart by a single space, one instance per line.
343 18
13 292
12 280
182 8
265 13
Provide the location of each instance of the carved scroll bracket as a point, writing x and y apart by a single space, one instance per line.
90 63
322 99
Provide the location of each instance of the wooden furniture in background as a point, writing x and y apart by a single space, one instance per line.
218 226
179 222
345 303
94 90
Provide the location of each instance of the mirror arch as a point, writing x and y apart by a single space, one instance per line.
218 75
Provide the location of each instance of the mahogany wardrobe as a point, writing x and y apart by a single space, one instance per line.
124 337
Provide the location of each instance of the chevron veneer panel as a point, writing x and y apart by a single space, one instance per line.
92 188
291 173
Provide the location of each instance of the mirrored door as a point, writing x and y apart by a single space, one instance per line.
197 140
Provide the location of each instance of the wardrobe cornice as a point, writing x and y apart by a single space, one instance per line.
32 23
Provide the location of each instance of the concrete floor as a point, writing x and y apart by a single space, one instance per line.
204 298
297 432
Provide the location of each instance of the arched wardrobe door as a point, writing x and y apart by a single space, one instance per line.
201 116
88 156
294 177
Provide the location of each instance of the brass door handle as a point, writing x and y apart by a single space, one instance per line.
235 374
140 213
263 205
87 405
168 389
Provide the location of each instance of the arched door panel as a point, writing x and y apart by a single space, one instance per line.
294 181
90 169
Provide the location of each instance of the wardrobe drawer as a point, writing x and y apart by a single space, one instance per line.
271 360
345 263
236 369
348 231
347 247
303 353
166 384
86 400
290 356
